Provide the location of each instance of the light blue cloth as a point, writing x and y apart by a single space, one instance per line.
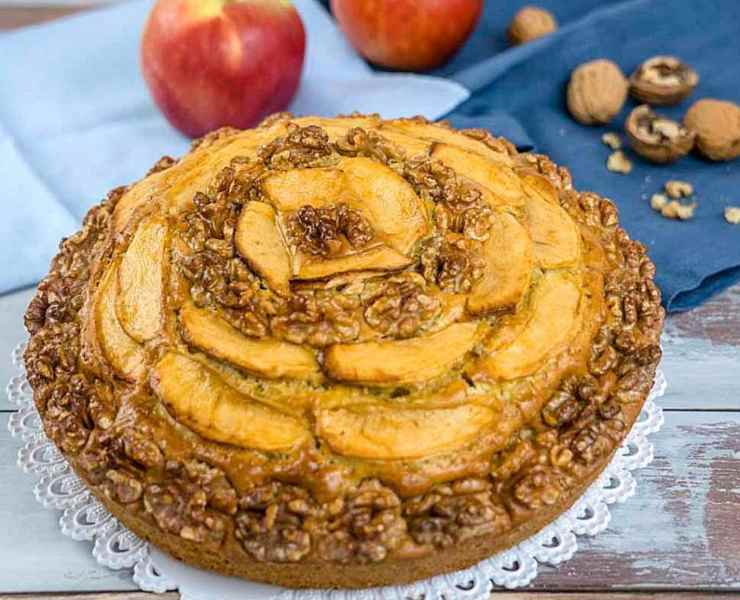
76 119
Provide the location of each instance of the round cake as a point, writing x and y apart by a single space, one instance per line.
344 352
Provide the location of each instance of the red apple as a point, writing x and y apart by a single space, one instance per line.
410 35
211 63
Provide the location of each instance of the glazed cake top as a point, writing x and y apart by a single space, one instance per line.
333 301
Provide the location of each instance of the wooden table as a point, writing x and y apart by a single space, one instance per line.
679 537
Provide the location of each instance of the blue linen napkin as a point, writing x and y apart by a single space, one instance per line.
77 120
694 259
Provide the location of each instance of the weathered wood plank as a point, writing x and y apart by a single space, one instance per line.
34 555
716 320
496 595
681 530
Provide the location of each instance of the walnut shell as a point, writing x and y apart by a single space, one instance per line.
657 138
531 22
717 127
663 80
596 92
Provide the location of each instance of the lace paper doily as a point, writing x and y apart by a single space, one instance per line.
85 518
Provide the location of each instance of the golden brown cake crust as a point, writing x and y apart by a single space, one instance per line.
385 347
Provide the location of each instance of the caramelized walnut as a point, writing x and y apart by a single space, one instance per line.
464 211
359 142
400 306
452 263
301 147
323 231
318 318
452 513
663 80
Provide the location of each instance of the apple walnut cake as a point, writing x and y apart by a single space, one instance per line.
384 347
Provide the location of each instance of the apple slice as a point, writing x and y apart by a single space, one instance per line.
123 353
535 185
290 190
509 263
388 201
140 300
258 240
554 233
379 258
266 358
389 433
499 179
136 196
411 146
203 402
547 332
401 361
444 135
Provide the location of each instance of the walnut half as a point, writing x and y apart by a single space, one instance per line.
657 138
663 80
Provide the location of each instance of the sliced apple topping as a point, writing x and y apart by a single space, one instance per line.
258 240
140 298
380 258
291 190
267 358
554 309
554 233
202 401
388 433
444 135
401 361
509 263
119 349
139 194
499 179
411 146
391 209
388 201
538 186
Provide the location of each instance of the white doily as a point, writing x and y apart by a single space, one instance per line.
84 518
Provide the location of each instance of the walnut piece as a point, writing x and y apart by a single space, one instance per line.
672 209
732 215
452 263
530 23
717 127
663 80
619 163
323 231
658 201
678 189
657 138
612 140
400 306
596 92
